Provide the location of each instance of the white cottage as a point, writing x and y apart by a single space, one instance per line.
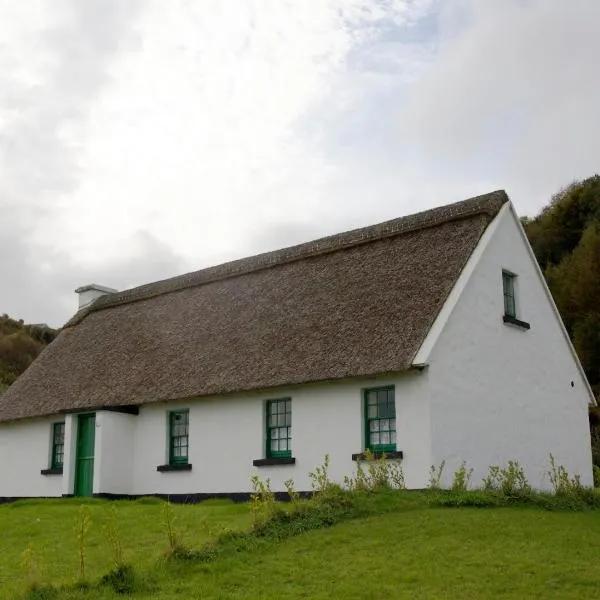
431 337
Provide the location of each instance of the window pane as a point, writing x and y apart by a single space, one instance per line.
384 424
59 433
375 438
372 411
274 434
372 398
508 284
387 410
385 437
392 437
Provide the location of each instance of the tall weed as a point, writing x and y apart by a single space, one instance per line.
562 483
462 478
509 481
82 527
176 547
121 577
262 501
435 476
379 473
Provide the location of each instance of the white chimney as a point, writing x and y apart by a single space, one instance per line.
89 293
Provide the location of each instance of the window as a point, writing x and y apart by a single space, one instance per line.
179 421
380 419
58 445
508 285
279 428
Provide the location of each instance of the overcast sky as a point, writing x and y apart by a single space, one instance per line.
140 139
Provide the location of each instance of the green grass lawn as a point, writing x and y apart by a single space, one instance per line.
49 526
408 550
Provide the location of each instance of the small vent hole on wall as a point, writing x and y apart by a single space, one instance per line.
572 384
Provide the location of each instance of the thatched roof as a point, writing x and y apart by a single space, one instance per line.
355 304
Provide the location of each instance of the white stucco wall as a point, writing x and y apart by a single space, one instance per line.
498 392
25 449
113 461
227 433
68 478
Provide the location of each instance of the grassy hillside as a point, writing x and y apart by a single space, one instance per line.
20 344
402 547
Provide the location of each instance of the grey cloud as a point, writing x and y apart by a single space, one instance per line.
45 112
38 283
513 97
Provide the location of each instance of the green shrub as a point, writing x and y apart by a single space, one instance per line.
121 579
563 484
466 498
596 469
509 481
41 592
320 477
462 478
379 473
262 501
293 495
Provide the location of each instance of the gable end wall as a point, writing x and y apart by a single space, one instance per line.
499 392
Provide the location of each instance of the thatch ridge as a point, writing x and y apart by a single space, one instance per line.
487 204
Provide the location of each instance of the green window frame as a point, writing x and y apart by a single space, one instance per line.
58 445
508 288
279 428
179 428
380 419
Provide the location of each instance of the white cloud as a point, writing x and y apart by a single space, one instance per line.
513 97
203 136
141 139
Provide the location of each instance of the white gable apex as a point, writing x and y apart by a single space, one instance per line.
516 260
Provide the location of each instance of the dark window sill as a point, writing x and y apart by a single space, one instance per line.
54 471
174 467
280 460
392 454
516 322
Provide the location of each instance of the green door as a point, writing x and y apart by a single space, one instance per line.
84 464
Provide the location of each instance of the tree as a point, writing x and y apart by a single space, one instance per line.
20 345
565 237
